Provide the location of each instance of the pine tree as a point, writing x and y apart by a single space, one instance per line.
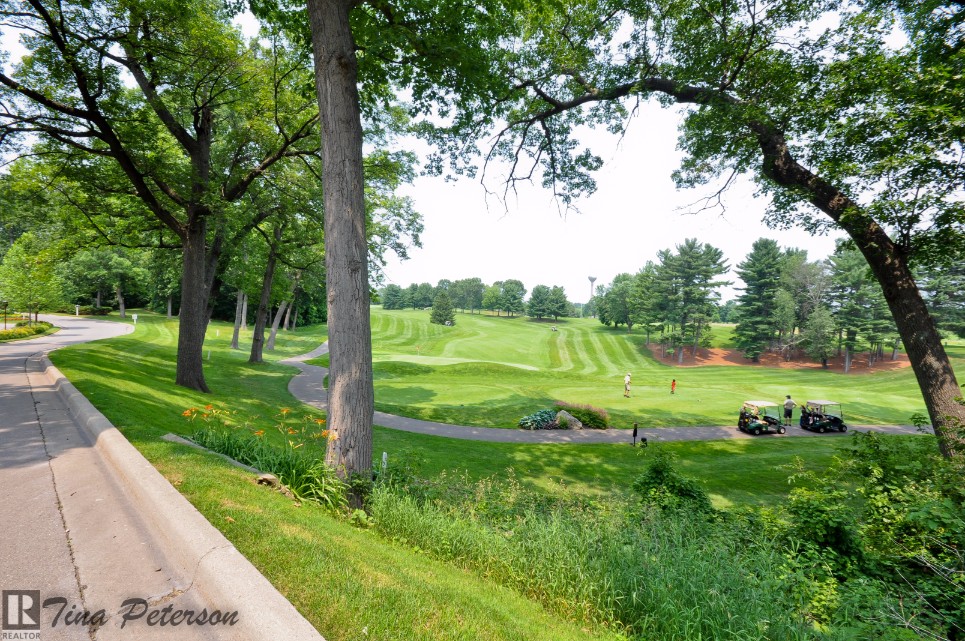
557 305
442 311
761 273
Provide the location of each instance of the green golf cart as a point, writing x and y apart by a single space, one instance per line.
760 417
823 416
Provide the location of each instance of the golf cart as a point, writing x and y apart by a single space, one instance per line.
760 417
823 416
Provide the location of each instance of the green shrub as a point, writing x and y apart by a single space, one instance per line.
541 420
25 329
592 417
883 552
87 310
662 485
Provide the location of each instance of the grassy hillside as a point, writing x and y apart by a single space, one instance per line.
491 371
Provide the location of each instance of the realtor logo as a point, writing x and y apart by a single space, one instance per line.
21 610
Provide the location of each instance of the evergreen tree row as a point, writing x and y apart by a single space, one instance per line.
788 305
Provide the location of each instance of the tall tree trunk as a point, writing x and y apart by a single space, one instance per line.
894 349
261 316
196 280
244 311
847 358
239 305
295 319
97 298
170 306
270 345
351 396
121 308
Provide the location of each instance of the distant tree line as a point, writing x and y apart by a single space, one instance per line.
472 295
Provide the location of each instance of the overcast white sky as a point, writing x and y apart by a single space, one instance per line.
635 212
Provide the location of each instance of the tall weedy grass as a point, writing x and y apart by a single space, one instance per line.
299 464
652 574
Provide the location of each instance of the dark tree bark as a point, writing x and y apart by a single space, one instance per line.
351 395
889 263
192 319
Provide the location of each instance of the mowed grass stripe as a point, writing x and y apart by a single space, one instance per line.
584 343
559 357
613 357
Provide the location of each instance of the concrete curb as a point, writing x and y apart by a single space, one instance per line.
207 560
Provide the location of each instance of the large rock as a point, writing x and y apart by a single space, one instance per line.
571 422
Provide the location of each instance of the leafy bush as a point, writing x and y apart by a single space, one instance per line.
87 310
541 420
885 550
592 417
662 485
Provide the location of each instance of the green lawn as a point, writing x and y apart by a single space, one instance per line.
491 371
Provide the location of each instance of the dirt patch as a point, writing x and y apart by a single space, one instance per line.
719 356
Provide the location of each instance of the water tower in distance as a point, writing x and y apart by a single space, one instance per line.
592 280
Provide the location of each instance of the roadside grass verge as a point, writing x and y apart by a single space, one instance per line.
351 583
131 378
